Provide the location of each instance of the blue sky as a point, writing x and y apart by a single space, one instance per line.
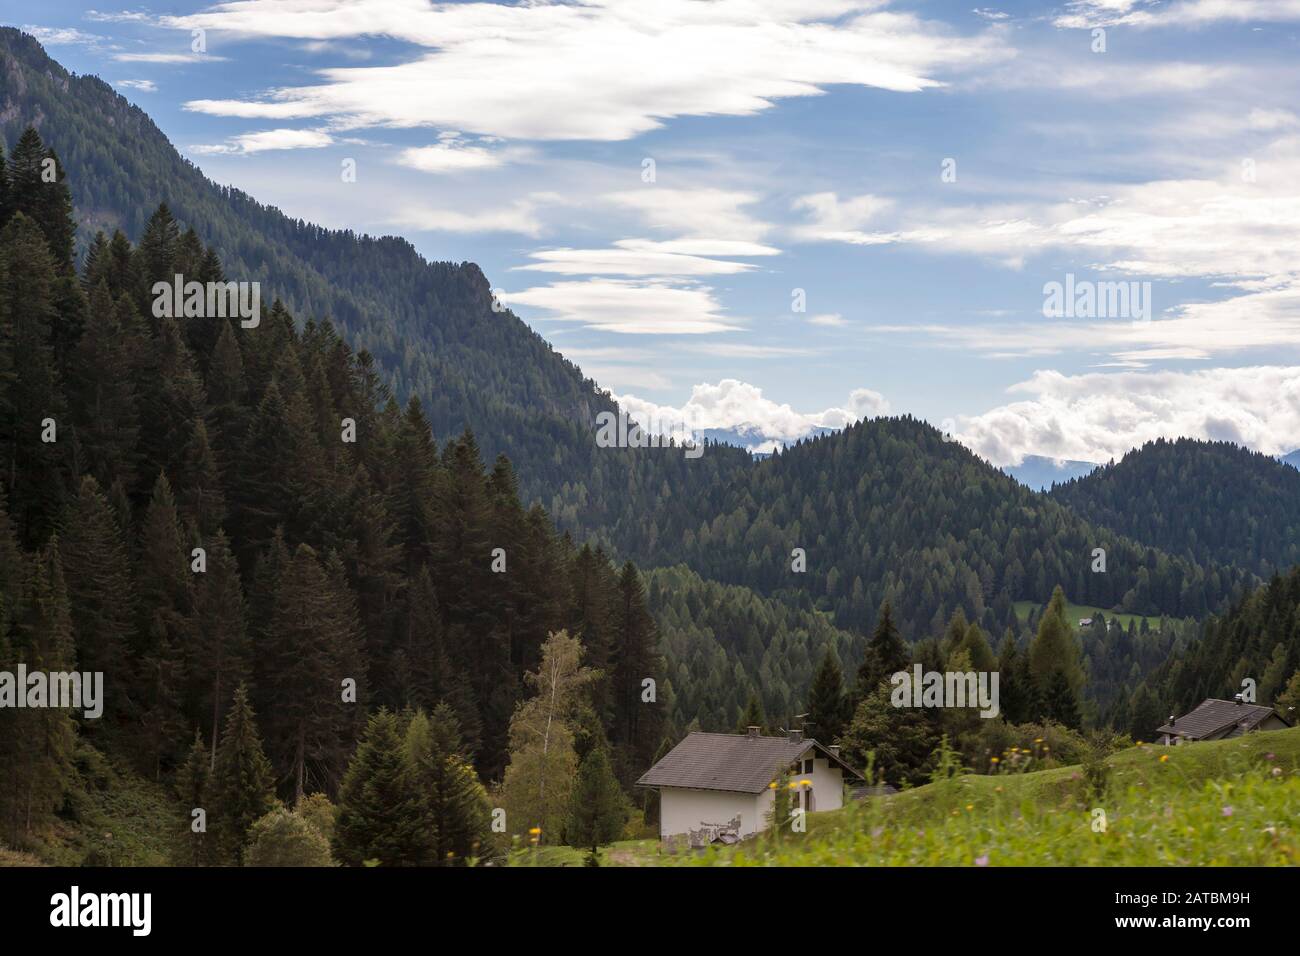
796 145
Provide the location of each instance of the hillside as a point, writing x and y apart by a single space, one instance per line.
724 644
887 509
1220 803
430 327
1212 502
896 513
1258 639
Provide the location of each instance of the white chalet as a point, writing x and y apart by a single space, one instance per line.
722 783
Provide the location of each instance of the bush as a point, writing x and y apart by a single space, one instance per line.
282 838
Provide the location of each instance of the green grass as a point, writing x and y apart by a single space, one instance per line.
1075 612
112 817
620 853
1228 802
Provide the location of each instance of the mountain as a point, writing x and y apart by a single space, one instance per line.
725 644
1041 473
430 327
888 510
1291 458
1208 501
883 509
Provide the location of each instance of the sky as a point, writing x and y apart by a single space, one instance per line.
772 217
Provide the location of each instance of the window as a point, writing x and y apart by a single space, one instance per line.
808 766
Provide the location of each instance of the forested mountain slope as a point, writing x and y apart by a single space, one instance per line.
191 507
1210 501
889 510
1258 639
884 510
430 326
725 645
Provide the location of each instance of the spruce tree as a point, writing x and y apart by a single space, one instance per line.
100 591
192 844
597 809
826 715
452 800
243 784
379 819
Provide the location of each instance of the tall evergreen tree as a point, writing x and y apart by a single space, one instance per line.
242 785
826 704
379 818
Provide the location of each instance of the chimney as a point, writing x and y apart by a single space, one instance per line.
1171 720
834 749
753 730
795 734
1237 698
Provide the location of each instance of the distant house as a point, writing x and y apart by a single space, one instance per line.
1085 622
720 785
1217 719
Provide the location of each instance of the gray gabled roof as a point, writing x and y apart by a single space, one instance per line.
733 762
1213 715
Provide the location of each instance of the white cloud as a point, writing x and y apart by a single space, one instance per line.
270 139
629 257
1101 415
62 36
519 216
704 217
830 320
740 407
631 306
1188 13
454 155
600 70
167 58
144 86
835 220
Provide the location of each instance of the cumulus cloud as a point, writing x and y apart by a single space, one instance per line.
739 407
1102 415
599 70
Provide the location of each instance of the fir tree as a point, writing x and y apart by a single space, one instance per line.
379 820
597 809
242 785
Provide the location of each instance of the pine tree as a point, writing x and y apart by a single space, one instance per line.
242 784
102 391
1055 649
886 654
192 844
29 390
826 700
309 651
36 743
597 809
379 819
453 801
637 726
219 659
100 591
165 602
